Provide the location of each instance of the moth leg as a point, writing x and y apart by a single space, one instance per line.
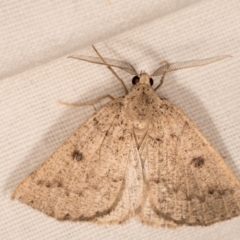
163 76
113 72
87 104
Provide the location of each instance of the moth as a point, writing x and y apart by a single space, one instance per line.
138 156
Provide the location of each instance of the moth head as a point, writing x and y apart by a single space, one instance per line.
142 78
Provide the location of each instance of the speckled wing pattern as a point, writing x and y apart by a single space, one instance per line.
138 156
188 181
95 175
84 178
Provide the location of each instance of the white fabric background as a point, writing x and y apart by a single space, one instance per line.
36 38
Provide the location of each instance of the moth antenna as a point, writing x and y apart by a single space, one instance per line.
187 64
163 76
110 68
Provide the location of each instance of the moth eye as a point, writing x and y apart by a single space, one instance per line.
151 81
135 80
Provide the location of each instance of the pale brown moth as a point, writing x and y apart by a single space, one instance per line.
138 156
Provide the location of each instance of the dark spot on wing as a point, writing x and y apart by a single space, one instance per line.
95 121
56 183
222 192
231 191
66 216
156 181
48 184
120 104
210 191
77 156
234 213
189 198
198 162
40 182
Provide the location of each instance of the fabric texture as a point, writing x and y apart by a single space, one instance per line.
37 37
